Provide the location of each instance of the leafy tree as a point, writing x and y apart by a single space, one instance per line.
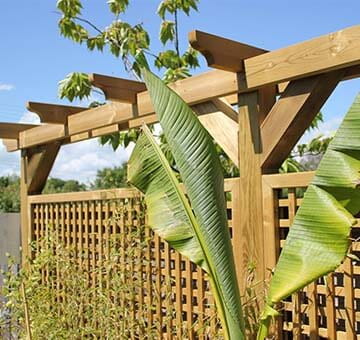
10 190
9 194
108 178
130 43
57 185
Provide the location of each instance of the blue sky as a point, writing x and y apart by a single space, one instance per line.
34 57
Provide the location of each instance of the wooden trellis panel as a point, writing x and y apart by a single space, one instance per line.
182 306
328 308
177 290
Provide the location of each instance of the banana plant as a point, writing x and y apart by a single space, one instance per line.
318 240
204 239
196 224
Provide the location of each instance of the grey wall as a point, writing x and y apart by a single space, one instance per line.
9 238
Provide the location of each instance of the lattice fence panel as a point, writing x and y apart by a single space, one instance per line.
330 307
171 295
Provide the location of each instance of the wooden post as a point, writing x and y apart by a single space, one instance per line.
24 207
253 108
36 165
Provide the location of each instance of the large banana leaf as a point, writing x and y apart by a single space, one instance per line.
318 240
200 170
169 213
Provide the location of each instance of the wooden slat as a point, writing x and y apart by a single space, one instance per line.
296 297
42 134
330 308
117 89
328 52
100 116
53 113
222 53
349 300
12 130
11 144
85 195
313 311
292 114
289 180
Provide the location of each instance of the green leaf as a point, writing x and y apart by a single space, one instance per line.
70 8
200 169
69 29
169 213
118 6
318 240
75 85
167 31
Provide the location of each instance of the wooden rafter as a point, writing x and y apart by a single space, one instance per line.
118 89
222 53
12 130
11 144
335 51
42 134
328 52
292 114
193 90
53 113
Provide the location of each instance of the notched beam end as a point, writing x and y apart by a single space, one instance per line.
222 53
11 145
53 113
117 89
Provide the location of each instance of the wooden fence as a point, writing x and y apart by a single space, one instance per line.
328 308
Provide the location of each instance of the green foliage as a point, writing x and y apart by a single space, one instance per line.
67 299
9 194
118 6
191 149
70 8
318 240
109 178
130 43
75 85
171 6
57 185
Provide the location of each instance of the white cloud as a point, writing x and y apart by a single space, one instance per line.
6 87
82 160
328 128
9 162
29 118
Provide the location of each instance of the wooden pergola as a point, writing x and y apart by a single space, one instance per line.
278 94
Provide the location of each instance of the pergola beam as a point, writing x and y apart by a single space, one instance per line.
328 52
222 53
11 144
193 90
53 113
334 51
118 89
12 130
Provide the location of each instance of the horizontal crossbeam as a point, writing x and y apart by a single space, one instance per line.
328 52
12 130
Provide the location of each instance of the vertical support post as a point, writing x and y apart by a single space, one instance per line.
36 165
24 208
253 108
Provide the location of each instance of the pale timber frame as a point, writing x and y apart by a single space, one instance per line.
258 138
